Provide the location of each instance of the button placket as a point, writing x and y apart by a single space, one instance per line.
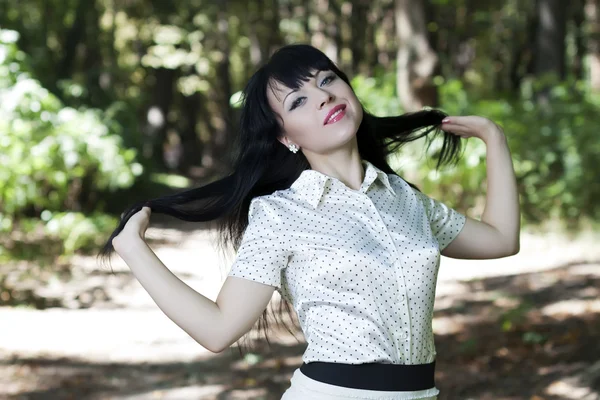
402 303
403 333
401 297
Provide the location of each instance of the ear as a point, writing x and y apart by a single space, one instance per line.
284 140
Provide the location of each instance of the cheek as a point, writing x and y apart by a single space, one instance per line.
359 112
299 127
353 100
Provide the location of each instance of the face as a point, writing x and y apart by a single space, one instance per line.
306 114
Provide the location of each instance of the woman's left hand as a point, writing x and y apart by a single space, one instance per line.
471 126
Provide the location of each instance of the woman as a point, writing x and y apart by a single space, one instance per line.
315 212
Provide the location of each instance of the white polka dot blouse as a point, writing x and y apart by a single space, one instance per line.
359 266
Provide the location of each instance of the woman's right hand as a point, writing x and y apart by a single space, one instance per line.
135 228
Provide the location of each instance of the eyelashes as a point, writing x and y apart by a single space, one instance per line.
329 78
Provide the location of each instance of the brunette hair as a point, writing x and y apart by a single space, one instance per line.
262 164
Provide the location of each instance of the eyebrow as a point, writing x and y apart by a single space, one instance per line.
295 90
286 96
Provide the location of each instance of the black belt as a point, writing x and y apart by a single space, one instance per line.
373 376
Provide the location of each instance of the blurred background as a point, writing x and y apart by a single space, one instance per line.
107 102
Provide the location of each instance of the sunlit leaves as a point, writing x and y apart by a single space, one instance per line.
47 149
553 152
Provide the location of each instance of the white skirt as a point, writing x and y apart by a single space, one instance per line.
304 388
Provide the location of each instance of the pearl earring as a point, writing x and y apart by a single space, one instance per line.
293 148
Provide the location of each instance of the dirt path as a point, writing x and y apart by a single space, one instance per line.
524 327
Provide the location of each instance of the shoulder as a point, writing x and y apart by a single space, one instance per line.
409 192
402 184
267 208
260 203
285 199
273 200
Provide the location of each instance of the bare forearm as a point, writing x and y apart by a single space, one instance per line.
502 200
197 315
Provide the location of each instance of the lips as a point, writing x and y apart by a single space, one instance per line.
333 111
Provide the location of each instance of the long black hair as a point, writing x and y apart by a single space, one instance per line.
262 164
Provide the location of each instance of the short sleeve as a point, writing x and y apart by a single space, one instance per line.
445 222
262 254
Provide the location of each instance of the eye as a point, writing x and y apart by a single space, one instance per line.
296 103
325 81
328 78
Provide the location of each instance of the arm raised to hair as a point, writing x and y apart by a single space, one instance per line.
498 233
214 325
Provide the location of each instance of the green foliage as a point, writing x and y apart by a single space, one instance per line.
78 231
534 337
515 316
378 94
554 147
56 156
468 346
53 157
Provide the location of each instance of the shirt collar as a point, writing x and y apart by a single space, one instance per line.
311 183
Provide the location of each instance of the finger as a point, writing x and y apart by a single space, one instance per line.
144 213
452 119
464 121
454 128
473 123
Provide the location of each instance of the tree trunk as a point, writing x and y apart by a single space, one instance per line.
522 58
358 44
263 31
592 11
370 45
156 116
578 17
386 46
74 35
93 62
334 21
416 60
306 20
190 143
320 38
275 40
550 38
221 138
255 10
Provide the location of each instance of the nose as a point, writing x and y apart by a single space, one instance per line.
326 97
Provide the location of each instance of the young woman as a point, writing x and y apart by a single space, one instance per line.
315 212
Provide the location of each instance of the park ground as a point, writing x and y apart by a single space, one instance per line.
522 327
